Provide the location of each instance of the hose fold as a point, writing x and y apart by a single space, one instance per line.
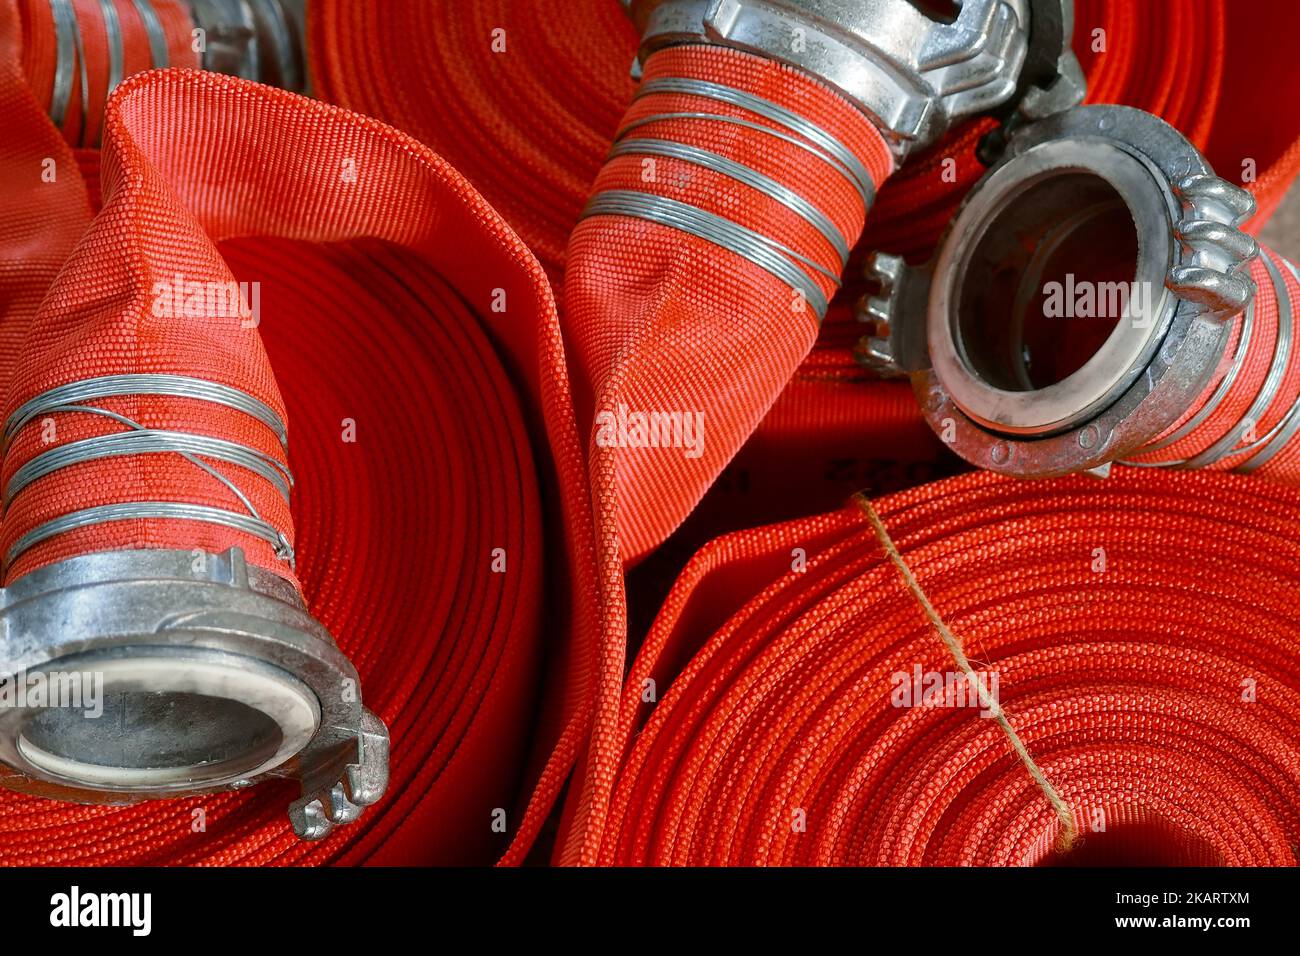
735 188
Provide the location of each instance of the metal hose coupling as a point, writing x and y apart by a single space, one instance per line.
147 674
1081 302
911 72
262 40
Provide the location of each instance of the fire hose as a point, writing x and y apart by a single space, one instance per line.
1151 678
1022 370
710 133
457 707
570 65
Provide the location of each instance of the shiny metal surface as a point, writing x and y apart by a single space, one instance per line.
214 677
915 75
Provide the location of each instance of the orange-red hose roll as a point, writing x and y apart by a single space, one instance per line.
1151 676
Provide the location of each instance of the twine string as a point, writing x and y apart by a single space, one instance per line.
1069 831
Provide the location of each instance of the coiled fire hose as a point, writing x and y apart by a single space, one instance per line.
793 704
568 63
611 609
443 625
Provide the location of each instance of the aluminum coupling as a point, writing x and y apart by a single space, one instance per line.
1080 302
145 674
260 40
913 74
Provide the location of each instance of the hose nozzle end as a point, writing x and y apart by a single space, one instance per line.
146 674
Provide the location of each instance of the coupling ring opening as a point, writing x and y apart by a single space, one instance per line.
1049 293
158 719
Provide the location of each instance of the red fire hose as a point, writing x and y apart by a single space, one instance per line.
404 305
1150 677
570 64
397 531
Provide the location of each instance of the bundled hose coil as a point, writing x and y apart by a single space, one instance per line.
365 333
1151 678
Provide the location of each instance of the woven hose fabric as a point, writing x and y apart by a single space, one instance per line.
463 530
379 267
526 97
662 319
774 715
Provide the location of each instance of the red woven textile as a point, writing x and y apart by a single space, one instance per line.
525 99
662 322
397 531
402 301
1151 678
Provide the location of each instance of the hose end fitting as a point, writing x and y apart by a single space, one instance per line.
260 40
914 75
147 674
1078 304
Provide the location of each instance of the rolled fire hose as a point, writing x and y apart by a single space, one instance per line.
793 704
459 740
444 629
525 97
1095 301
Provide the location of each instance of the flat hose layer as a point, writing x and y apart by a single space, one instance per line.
1152 679
419 527
724 217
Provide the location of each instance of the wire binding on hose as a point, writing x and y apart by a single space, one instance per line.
70 398
171 386
743 174
70 55
766 253
153 28
165 510
1220 392
113 35
769 254
1228 444
65 31
145 441
845 159
1262 449
1268 446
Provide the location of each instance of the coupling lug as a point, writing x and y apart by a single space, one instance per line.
895 314
1051 80
914 75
